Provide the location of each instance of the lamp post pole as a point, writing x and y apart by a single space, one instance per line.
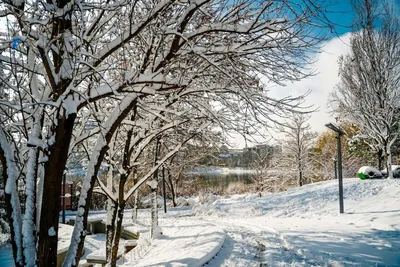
339 162
339 149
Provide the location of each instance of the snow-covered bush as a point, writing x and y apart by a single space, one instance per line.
368 172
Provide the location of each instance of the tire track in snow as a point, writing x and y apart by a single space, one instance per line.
250 244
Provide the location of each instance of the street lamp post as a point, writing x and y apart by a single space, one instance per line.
339 162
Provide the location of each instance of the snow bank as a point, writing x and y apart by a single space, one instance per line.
183 243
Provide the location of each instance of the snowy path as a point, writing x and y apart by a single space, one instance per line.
303 243
183 243
344 243
250 245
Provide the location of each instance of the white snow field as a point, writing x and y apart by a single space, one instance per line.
299 227
303 227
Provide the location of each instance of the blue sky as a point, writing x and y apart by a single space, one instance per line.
340 13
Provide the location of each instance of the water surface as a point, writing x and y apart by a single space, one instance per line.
6 258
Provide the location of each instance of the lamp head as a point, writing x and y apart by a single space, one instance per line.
335 128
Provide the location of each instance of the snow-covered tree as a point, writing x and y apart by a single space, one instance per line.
297 148
268 176
67 63
369 90
191 155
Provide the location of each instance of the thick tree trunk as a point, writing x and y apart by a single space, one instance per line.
154 209
111 215
29 223
110 227
117 236
58 152
120 208
54 169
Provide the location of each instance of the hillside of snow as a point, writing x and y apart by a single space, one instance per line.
303 227
313 201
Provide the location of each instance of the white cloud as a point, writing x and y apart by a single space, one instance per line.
321 84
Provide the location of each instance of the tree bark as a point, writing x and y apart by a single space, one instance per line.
110 228
117 236
9 211
13 211
54 169
173 196
300 177
389 163
154 212
120 208
111 214
380 159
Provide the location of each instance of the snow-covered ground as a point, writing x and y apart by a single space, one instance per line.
299 227
302 226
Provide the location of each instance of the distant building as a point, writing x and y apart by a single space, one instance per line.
243 157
